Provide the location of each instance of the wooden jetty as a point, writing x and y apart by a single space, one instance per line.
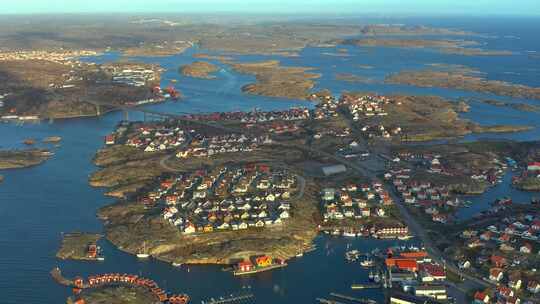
232 299
353 299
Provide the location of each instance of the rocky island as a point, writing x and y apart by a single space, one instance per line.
199 69
15 159
79 246
463 79
454 47
276 80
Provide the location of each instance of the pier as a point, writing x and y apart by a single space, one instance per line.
326 301
353 299
365 286
232 299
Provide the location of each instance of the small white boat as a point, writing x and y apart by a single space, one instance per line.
367 263
352 255
405 237
144 254
177 264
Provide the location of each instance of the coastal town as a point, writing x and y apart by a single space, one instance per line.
176 152
216 195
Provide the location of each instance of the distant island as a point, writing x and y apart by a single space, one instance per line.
199 69
454 47
276 80
462 79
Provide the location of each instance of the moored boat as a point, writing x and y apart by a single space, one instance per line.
367 263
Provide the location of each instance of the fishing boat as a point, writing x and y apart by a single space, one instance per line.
144 254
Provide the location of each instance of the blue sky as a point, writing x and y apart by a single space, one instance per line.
469 7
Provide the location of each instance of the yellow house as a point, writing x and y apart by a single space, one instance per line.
264 261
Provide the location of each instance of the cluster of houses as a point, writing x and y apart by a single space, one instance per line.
360 202
293 114
152 138
60 56
326 109
532 172
506 250
132 75
203 146
435 163
332 133
505 295
415 273
354 201
434 200
380 131
225 198
368 105
132 280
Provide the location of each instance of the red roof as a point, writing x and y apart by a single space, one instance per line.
414 254
407 264
433 270
480 296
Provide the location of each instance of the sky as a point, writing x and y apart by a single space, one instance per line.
387 7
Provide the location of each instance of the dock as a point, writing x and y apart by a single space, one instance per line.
365 286
232 299
353 299
326 301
